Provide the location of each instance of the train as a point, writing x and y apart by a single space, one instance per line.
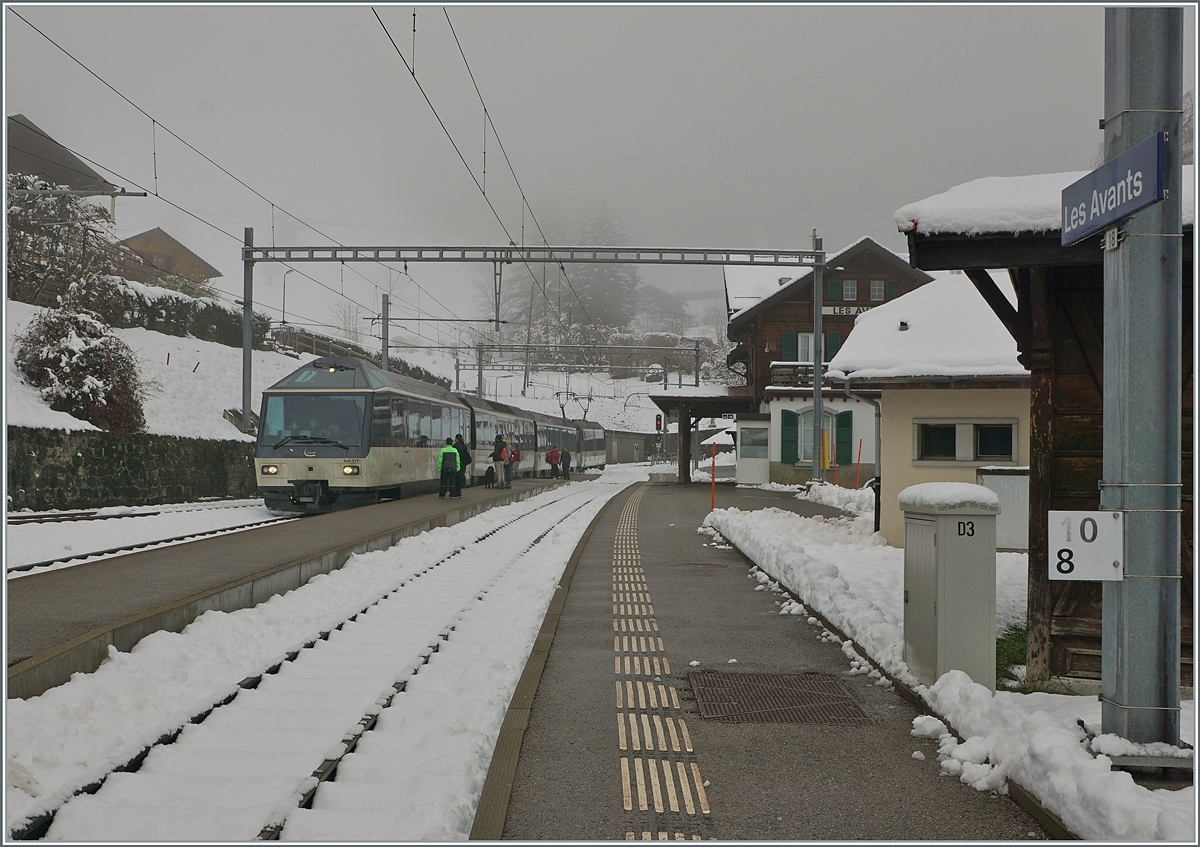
340 432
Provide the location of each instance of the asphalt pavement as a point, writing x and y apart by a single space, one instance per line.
616 747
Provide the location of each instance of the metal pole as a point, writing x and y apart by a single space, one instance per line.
496 286
456 370
247 328
1143 95
697 362
479 382
818 281
283 311
878 443
383 356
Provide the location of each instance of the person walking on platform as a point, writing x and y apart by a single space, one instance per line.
448 465
464 462
566 464
552 459
498 456
508 464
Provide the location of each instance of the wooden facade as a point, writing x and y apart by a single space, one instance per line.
759 330
1058 325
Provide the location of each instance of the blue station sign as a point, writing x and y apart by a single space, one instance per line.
1115 190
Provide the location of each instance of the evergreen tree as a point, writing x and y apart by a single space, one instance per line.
606 293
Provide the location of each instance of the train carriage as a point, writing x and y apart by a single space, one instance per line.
553 432
592 453
340 432
489 418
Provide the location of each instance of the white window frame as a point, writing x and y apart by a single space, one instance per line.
850 289
804 346
965 441
878 288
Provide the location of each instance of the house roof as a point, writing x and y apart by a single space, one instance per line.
175 257
788 288
951 333
32 151
1007 204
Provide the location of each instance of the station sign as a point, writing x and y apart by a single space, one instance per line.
1086 546
1115 190
844 310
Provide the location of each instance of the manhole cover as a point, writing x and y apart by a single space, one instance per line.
776 698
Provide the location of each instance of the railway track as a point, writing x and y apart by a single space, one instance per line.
22 518
403 629
80 558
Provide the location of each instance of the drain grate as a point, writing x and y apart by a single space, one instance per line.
776 698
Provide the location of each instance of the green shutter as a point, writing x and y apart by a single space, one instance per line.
789 429
833 289
791 348
844 426
833 343
891 289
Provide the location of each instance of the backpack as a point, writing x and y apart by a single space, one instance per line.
503 453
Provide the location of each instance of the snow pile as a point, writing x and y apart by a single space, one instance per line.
856 502
852 579
1006 204
941 496
944 328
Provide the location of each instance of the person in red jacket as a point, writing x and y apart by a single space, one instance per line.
552 459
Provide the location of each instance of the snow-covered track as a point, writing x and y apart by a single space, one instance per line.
61 517
421 613
81 558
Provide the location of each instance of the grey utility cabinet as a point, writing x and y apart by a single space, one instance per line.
950 580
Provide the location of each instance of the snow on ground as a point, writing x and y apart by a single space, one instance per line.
847 574
122 526
77 732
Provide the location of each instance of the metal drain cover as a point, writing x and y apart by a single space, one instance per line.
776 698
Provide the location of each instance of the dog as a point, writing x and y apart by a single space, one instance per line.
489 478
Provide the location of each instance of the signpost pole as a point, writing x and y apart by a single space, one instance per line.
818 347
1142 371
247 329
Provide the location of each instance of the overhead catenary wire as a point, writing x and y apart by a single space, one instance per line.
155 124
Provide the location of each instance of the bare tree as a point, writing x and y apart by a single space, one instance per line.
347 317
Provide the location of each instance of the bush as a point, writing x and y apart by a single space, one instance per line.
83 369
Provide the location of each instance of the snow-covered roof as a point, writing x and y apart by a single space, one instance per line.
1006 204
951 332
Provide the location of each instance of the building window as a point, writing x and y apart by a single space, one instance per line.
833 289
805 347
938 441
994 442
752 442
964 441
891 289
877 289
849 289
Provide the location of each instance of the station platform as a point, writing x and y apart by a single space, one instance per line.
613 745
63 621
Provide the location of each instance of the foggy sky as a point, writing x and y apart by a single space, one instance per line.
721 127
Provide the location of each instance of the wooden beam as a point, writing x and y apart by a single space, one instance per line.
999 304
1041 446
1089 339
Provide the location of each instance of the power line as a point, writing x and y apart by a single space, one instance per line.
155 123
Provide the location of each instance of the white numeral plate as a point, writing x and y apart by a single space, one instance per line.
1086 545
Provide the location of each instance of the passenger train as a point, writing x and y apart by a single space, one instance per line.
341 432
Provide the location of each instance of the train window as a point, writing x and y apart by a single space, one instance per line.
334 416
426 424
435 429
398 434
324 377
412 414
381 422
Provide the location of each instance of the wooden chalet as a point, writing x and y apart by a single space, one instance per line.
32 151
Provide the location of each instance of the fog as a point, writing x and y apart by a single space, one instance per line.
720 127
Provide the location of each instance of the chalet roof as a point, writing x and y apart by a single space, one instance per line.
647 293
783 290
170 255
32 151
943 329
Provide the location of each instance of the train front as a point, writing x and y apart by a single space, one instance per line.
314 439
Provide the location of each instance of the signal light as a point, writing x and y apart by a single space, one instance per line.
658 423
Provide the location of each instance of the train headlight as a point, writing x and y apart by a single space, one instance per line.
350 470
270 470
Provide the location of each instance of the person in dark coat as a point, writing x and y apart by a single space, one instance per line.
499 457
566 463
464 462
448 462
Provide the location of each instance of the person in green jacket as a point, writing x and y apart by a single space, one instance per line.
448 464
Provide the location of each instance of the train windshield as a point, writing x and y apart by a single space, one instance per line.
326 418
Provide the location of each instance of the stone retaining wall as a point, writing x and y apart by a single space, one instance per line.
56 469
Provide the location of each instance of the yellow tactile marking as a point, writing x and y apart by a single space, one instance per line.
658 733
633 732
653 698
641 689
672 799
687 739
621 730
674 698
674 737
641 785
700 795
688 805
620 697
646 731
655 790
628 691
625 792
